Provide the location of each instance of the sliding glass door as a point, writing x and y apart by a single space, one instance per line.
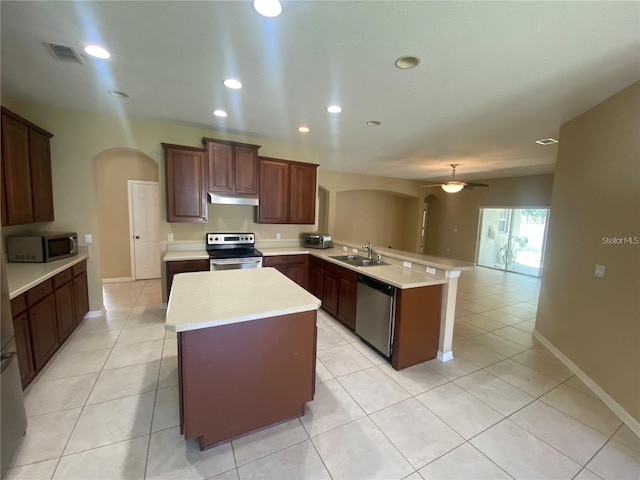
512 239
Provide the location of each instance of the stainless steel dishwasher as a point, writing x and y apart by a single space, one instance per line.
375 309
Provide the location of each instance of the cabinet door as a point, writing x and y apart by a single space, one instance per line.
246 171
302 194
297 273
16 174
65 310
347 303
330 293
44 332
315 281
23 348
274 192
220 175
81 296
185 174
41 182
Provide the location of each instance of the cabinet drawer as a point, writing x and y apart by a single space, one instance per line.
188 266
38 293
341 271
18 305
316 262
62 278
284 260
79 268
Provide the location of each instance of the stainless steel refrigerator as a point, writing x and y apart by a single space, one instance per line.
13 419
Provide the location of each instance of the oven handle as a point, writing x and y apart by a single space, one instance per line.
235 261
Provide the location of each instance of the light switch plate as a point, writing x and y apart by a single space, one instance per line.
599 271
354 250
88 238
170 237
406 264
431 270
278 236
345 249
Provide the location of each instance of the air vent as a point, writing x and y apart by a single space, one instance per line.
64 53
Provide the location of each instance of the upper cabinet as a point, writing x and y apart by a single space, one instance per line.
287 192
27 193
232 167
186 172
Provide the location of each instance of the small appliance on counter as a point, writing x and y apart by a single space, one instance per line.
41 247
316 240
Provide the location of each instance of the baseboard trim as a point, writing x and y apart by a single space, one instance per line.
118 280
625 416
445 356
95 313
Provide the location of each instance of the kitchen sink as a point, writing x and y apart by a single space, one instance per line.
358 261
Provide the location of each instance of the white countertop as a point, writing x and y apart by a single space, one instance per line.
24 276
209 299
196 254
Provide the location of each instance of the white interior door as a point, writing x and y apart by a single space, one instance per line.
145 231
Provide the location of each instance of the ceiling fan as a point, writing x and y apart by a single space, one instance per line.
453 185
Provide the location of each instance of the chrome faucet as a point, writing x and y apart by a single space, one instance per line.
368 246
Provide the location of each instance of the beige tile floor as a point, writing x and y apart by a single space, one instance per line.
106 406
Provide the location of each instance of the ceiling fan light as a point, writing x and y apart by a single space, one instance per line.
452 187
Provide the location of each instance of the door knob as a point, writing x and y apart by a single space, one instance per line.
137 237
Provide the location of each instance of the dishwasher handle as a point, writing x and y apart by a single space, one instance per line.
377 285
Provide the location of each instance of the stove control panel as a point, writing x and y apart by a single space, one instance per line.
230 239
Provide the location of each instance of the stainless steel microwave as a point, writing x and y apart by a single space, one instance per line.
41 247
316 240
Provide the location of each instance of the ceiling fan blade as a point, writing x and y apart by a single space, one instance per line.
472 184
429 186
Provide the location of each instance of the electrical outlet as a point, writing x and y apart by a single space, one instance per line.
354 250
345 249
431 270
406 264
88 238
170 237
278 236
599 271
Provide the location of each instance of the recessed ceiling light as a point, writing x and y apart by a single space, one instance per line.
267 8
97 51
303 129
334 109
547 141
232 83
406 62
374 123
118 94
219 113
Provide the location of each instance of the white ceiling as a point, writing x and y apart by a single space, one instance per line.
494 76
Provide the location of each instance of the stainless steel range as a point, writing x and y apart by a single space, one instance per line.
228 251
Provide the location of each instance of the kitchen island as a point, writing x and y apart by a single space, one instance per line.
246 351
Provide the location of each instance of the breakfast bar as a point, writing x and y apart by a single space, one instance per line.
246 351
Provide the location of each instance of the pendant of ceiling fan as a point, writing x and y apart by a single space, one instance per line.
453 185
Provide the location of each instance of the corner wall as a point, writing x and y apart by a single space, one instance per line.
595 322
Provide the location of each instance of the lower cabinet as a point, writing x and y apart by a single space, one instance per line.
338 290
46 315
347 292
316 274
293 266
183 266
330 292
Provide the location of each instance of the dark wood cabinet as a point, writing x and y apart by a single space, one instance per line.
65 311
182 266
287 192
315 277
27 192
80 290
296 267
347 302
44 330
185 169
23 340
330 293
232 167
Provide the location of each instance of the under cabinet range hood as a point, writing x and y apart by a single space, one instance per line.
225 199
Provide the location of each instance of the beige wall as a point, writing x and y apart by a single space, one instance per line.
388 220
379 188
113 169
452 218
79 137
595 321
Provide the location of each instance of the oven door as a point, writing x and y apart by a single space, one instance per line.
234 263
